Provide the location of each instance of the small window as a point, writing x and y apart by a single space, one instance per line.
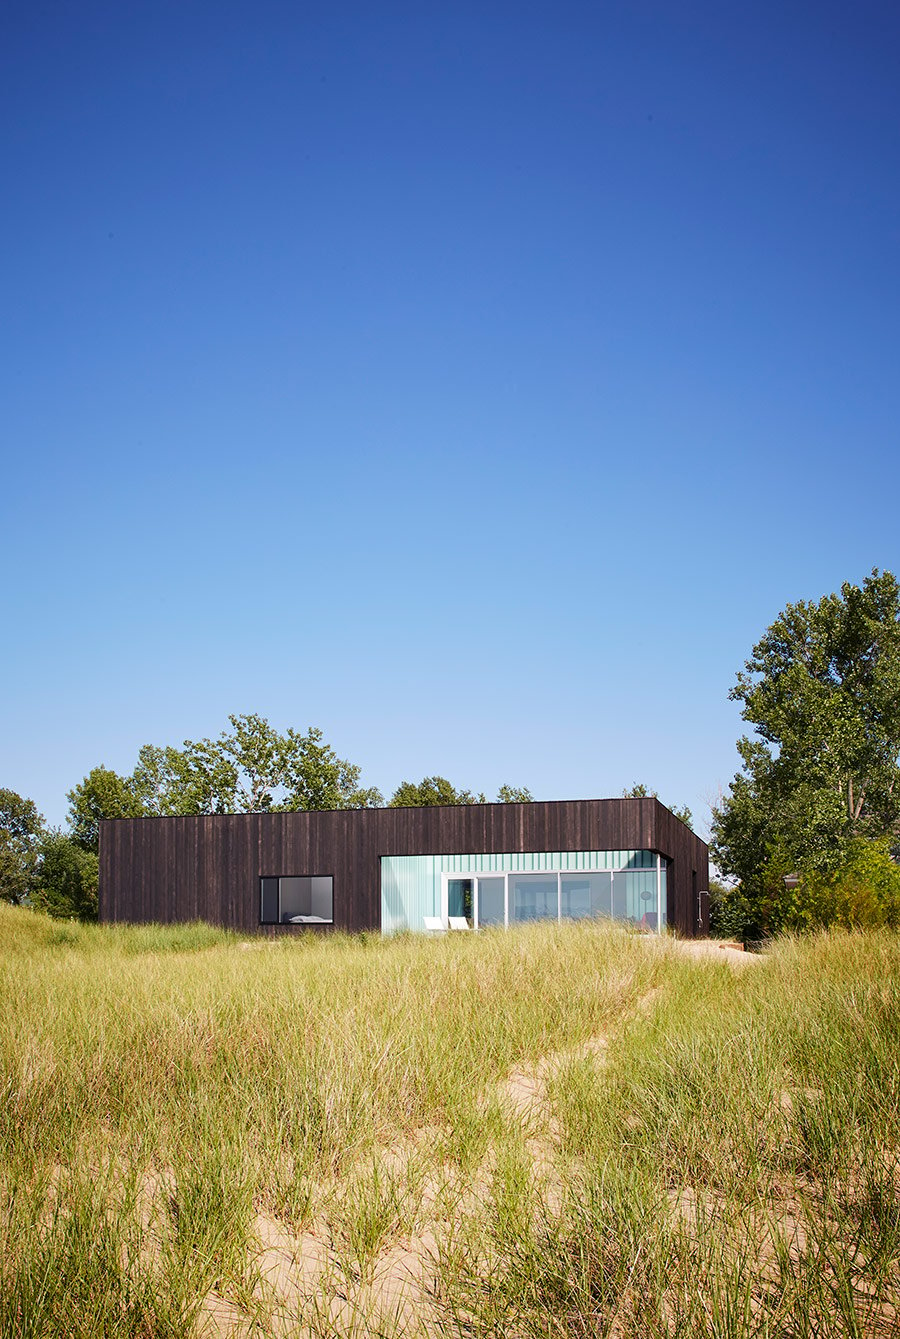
297 900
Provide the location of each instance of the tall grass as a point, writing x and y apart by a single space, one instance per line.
727 1164
732 1169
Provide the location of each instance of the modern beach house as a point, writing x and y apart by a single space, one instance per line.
469 866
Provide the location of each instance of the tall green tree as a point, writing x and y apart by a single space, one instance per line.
101 794
822 691
250 768
269 770
20 830
316 778
260 758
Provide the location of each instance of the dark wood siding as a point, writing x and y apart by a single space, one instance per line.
208 868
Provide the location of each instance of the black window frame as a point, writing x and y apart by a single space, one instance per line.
299 925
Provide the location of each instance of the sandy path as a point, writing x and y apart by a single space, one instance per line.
303 1285
713 948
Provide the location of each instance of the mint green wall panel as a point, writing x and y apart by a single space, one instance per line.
410 891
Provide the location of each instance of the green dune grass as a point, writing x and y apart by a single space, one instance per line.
560 1130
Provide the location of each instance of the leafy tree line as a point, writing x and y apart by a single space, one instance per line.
810 827
250 768
808 833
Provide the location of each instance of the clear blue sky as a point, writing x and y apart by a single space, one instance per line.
473 381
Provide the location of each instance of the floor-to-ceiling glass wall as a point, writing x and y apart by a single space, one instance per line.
634 896
483 891
490 901
584 895
533 897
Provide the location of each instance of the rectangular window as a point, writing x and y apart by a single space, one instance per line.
586 895
642 895
533 897
297 900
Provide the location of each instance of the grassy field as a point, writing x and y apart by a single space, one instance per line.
559 1131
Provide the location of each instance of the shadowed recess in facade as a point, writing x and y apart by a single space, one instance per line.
510 888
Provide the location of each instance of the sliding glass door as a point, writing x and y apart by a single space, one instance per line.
480 901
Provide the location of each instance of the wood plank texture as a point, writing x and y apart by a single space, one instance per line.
208 867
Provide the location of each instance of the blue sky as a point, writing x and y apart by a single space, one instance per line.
474 381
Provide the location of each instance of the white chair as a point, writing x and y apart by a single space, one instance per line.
458 923
434 925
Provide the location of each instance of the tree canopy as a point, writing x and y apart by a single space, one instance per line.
102 794
822 771
514 795
250 768
438 790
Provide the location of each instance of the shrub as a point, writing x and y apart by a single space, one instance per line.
864 892
67 879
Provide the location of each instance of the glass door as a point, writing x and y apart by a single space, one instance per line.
461 899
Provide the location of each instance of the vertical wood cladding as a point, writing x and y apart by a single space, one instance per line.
208 868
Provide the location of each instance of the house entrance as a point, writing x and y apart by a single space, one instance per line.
480 900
